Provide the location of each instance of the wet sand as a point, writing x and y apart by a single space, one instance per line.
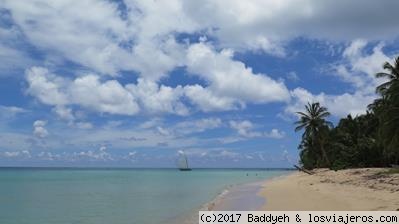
239 198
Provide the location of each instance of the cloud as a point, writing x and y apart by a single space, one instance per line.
131 156
47 87
196 126
100 36
338 105
269 25
13 59
107 39
49 156
292 76
84 125
230 78
86 91
23 154
216 155
15 141
126 138
230 82
108 96
175 132
229 154
67 114
287 157
99 155
68 139
156 98
115 58
12 109
245 129
275 133
39 129
63 112
8 112
207 101
86 32
163 131
153 122
230 90
358 69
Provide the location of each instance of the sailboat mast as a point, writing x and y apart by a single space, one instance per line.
183 162
185 158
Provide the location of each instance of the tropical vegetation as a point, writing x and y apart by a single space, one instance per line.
367 140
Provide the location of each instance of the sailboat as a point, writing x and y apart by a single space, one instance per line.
183 162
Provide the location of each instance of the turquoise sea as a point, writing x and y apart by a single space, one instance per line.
117 196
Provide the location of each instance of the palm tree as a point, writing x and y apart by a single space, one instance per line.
387 109
315 126
392 76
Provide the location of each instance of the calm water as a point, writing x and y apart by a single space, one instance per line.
118 196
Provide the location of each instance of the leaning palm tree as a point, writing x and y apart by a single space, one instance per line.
315 127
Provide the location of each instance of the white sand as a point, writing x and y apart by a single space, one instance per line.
352 190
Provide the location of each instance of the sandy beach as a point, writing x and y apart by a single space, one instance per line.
352 190
365 189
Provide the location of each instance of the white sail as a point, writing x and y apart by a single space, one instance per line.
182 161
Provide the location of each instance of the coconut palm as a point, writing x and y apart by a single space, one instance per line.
392 76
387 110
315 127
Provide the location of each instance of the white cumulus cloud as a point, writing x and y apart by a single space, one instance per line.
230 82
87 91
357 69
39 129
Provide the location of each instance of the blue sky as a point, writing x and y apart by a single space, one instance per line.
133 83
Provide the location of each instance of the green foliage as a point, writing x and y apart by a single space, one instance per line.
369 140
353 142
387 110
308 155
315 136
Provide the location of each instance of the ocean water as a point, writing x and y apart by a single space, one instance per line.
117 196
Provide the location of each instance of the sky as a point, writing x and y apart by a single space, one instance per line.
133 83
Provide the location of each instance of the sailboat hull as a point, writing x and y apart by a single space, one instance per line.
185 169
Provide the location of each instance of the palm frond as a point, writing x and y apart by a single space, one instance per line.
384 75
392 69
300 127
302 114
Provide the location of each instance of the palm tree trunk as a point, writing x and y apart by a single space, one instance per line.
325 154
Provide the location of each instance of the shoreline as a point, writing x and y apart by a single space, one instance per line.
226 200
241 197
238 198
192 217
364 189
